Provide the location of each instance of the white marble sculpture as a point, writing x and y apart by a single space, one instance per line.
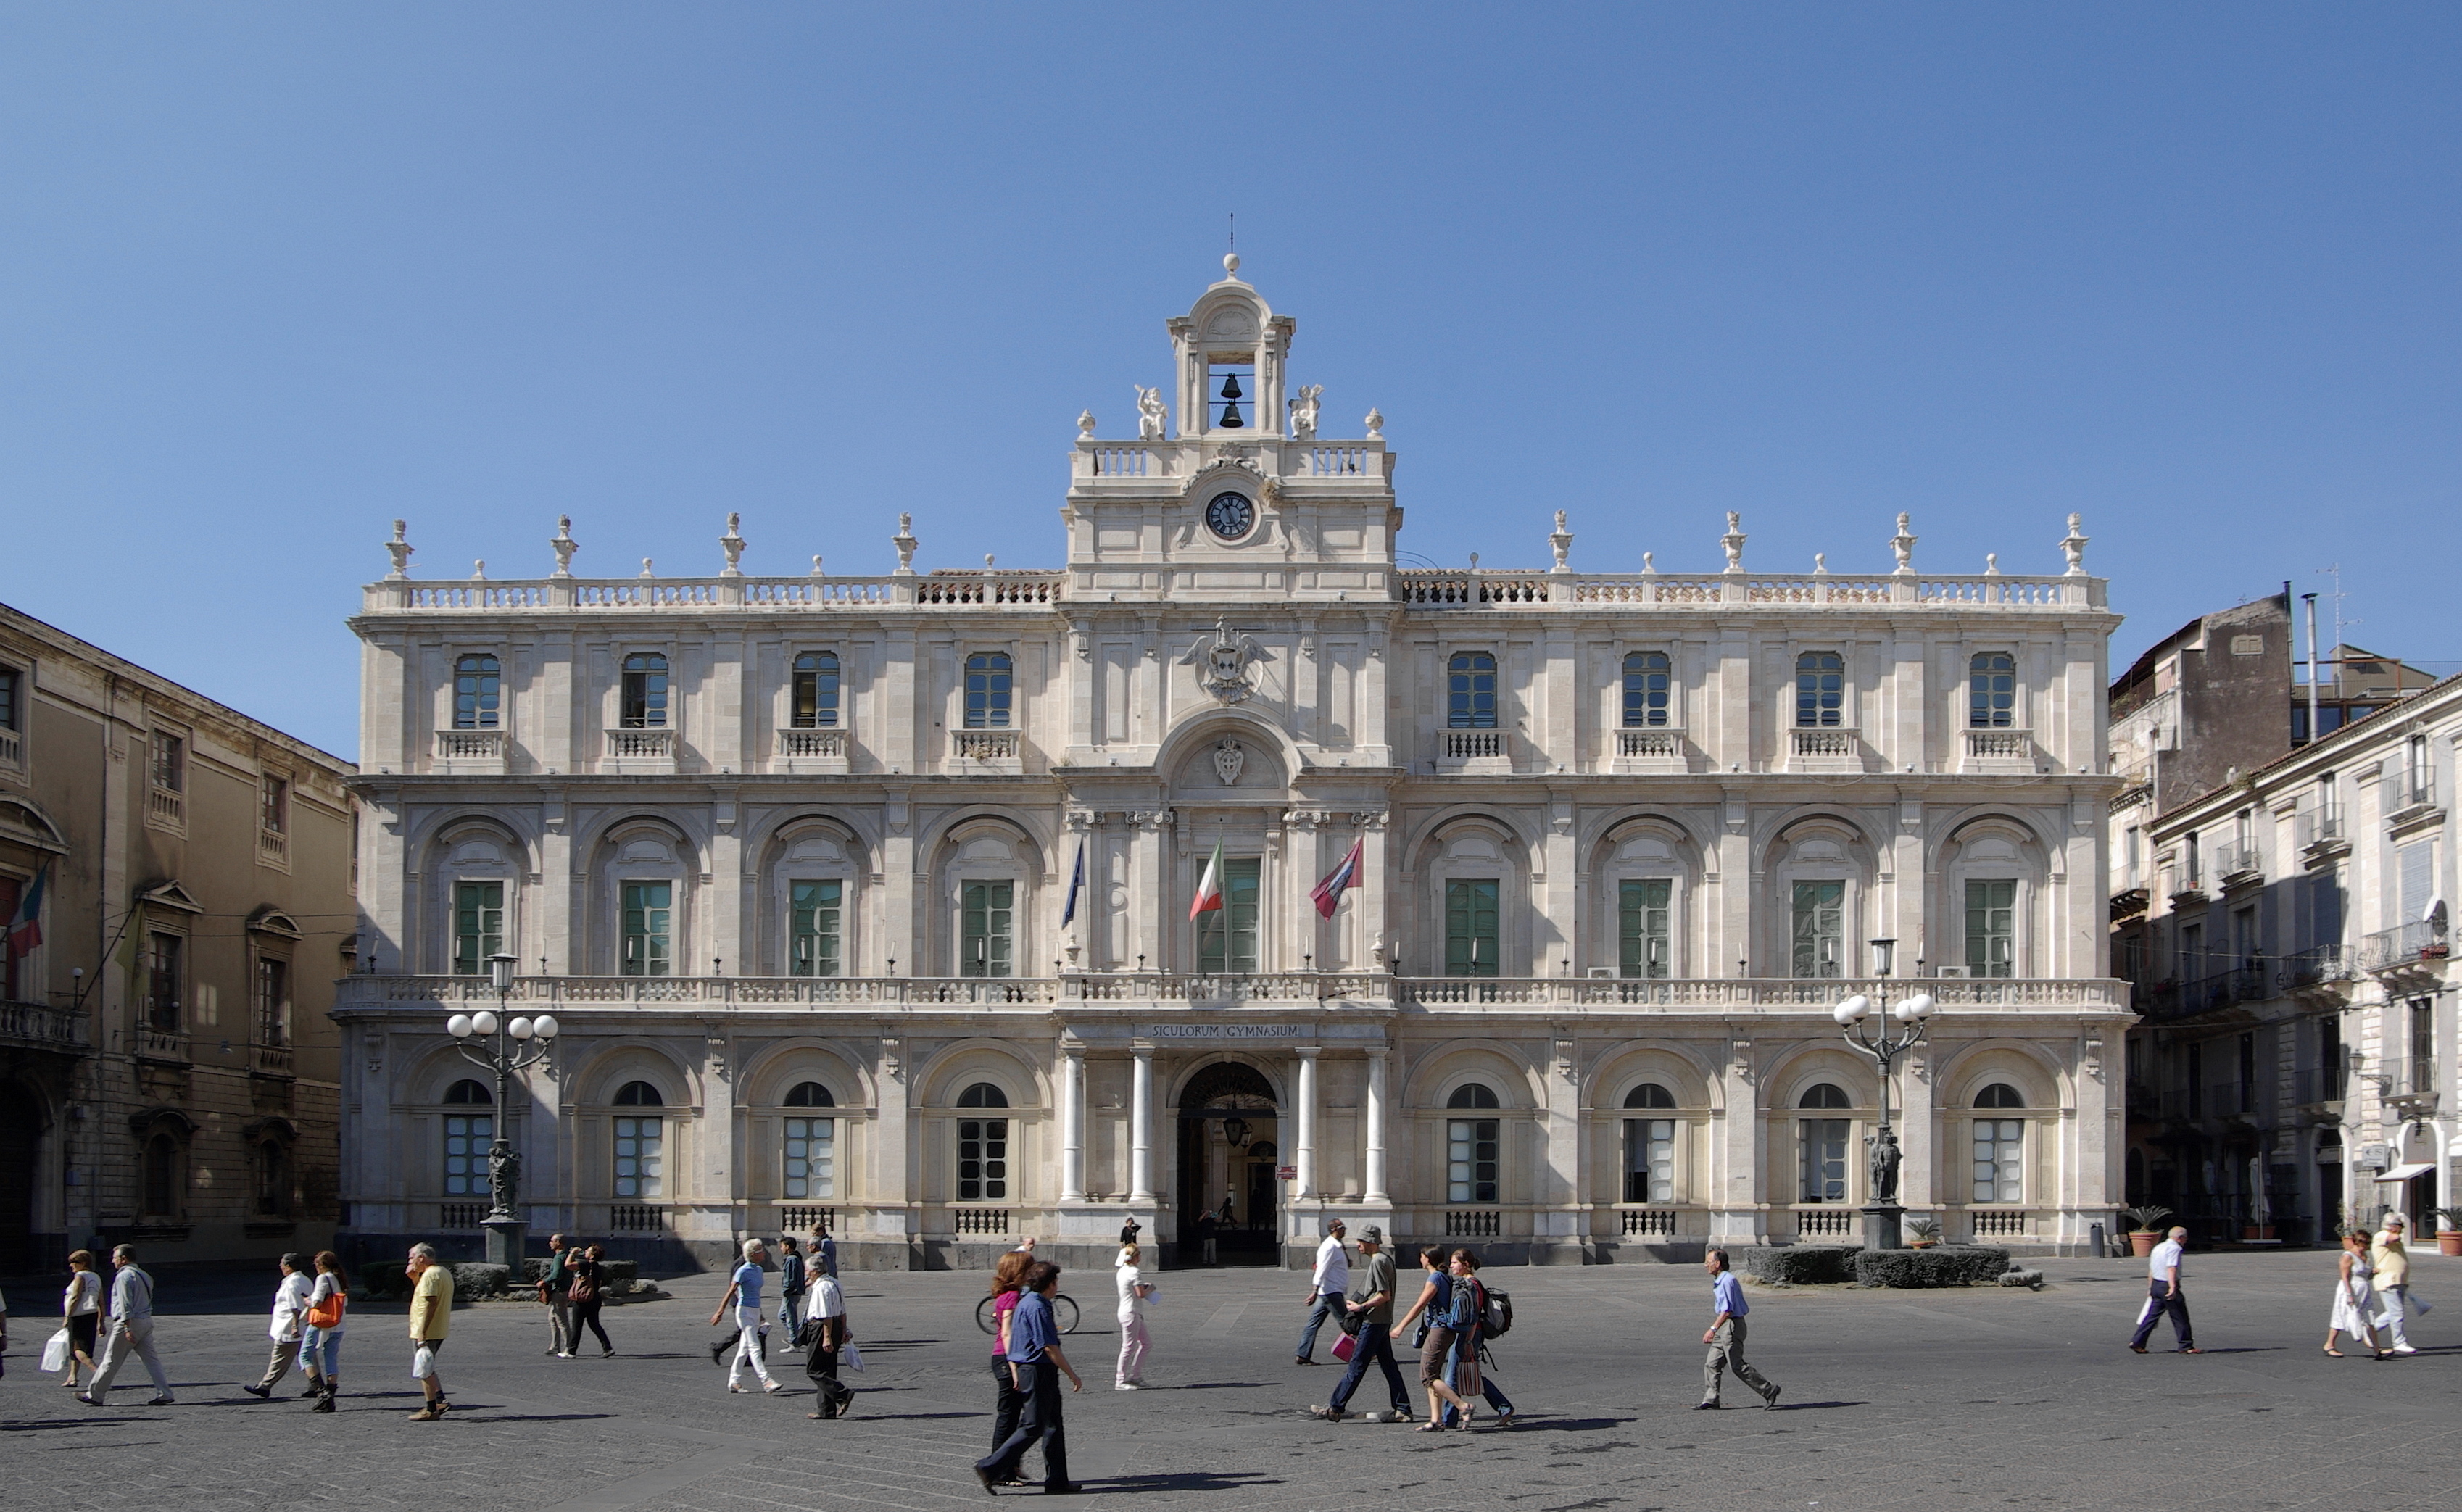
562 545
1304 411
1150 412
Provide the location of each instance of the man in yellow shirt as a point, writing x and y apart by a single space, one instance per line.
431 1314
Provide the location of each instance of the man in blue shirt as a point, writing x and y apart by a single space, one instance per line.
1726 1337
1034 1356
825 1250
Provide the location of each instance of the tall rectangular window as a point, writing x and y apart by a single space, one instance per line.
2415 877
1644 946
986 920
163 981
1820 690
2423 1045
477 689
988 685
1646 690
811 1158
1471 1159
1999 1166
816 690
1470 928
167 764
467 1137
814 910
272 1000
2192 952
273 806
1824 1159
1650 1159
1991 928
1226 937
2325 909
645 692
1470 691
1992 691
647 929
1820 929
12 699
640 1158
983 1159
478 926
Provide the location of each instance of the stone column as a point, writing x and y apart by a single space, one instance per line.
1072 1126
1372 1123
1141 1126
1304 1158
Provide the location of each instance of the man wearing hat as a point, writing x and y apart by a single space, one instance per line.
1376 1339
2392 1283
1326 1286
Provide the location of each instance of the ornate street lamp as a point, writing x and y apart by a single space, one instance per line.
505 1044
1883 1215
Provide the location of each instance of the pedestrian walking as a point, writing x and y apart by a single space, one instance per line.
2392 1283
744 1295
131 1331
2354 1297
1438 1365
1434 1301
1130 1375
1327 1284
555 1290
1035 1356
589 1272
2164 1295
1205 1241
831 1333
825 1249
792 1285
431 1318
1128 1232
320 1345
290 1321
1009 1286
1372 1303
1725 1337
81 1314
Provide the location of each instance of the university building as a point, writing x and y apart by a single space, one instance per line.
869 897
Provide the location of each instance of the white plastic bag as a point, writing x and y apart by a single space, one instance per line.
55 1352
422 1364
850 1357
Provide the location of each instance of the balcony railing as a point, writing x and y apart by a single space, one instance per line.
2413 792
640 744
1659 745
1998 750
1827 1221
1527 589
1820 743
805 1219
470 746
2230 1099
12 750
1650 1224
2001 1222
963 589
460 1215
1474 744
1474 1222
2319 1085
365 992
829 744
2403 946
2403 1078
2237 862
637 1218
2315 965
273 847
165 806
2315 829
2248 983
983 745
981 1222
42 1027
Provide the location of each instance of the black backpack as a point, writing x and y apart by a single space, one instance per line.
1497 1321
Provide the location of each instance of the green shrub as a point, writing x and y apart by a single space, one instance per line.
1945 1265
473 1279
381 1279
535 1270
1801 1265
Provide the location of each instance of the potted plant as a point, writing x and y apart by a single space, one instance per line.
2448 1230
1923 1231
2143 1237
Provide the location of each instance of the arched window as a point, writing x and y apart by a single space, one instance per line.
1473 1094
467 1091
1992 691
983 1147
476 685
1820 690
1824 1094
1999 1147
2000 1095
467 1137
645 691
640 1145
1470 698
1823 1145
1650 1094
982 1094
1473 1147
988 690
163 1176
811 1095
809 1159
639 1094
816 690
1650 1148
1645 690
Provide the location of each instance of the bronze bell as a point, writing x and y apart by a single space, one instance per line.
1231 396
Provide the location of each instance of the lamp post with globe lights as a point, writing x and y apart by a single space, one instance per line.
1884 1217
503 1043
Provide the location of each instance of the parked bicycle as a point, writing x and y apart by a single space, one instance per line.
1064 1312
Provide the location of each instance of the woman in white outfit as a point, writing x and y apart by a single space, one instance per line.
744 1295
1134 1293
2352 1301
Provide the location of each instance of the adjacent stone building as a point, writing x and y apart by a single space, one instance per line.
869 898
178 877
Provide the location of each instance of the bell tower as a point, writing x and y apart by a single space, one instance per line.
1231 351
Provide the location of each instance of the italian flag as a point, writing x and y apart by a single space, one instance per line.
1209 887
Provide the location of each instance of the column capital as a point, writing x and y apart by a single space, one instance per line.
1308 1052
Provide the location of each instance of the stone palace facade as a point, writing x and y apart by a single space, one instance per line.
868 898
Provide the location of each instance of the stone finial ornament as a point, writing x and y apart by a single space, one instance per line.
1734 541
1650 564
906 542
645 568
1152 414
1086 423
1904 545
2073 547
479 571
816 564
1820 564
562 545
1304 411
1560 542
732 544
400 548
1375 425
1991 564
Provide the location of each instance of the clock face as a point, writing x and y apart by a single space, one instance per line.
1230 515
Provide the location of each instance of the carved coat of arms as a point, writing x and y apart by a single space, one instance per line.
1229 756
1223 660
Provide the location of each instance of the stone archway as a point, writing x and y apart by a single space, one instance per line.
1229 1140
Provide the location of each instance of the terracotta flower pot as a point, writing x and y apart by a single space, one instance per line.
2141 1241
2449 1241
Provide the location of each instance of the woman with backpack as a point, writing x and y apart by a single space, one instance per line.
1495 1315
1456 1319
587 1282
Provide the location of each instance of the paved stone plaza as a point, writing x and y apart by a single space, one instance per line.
1892 1400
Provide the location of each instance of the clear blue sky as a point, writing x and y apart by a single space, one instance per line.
272 275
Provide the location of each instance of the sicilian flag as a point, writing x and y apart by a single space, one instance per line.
1209 887
25 929
1076 886
1328 896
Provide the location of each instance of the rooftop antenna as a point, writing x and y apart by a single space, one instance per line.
2335 571
1231 258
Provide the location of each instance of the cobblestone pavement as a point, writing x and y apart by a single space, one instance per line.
1950 1399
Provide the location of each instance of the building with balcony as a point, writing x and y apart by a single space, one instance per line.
870 897
2296 1070
180 880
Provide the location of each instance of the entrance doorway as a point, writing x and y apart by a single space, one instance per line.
21 1133
1228 1129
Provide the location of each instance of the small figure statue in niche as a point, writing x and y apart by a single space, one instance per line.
1150 412
1885 1159
504 1177
1304 411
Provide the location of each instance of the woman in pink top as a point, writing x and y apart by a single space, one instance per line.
1006 1279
